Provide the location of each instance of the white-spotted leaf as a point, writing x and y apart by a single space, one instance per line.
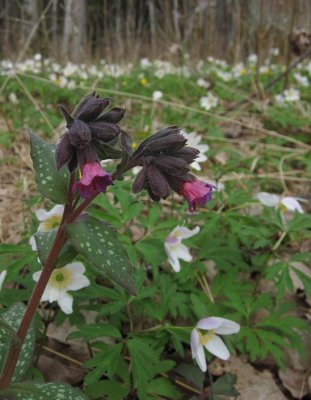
45 240
7 334
52 183
99 244
42 391
13 318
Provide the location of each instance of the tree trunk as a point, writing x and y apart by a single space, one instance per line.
74 31
30 15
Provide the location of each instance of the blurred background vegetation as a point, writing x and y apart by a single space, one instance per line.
124 30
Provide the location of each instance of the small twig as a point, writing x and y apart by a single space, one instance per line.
277 244
61 355
35 103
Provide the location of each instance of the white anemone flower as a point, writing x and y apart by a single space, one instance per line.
205 335
291 95
301 79
252 59
275 52
2 277
13 98
194 140
62 280
49 220
157 95
176 250
203 83
209 101
284 203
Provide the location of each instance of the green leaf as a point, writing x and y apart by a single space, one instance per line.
13 318
143 358
93 331
52 183
192 373
99 244
43 391
7 334
163 387
45 240
105 362
224 386
113 390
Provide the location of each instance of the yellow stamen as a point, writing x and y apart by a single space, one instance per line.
52 222
60 278
206 337
143 82
282 208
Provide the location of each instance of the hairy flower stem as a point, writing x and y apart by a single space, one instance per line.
69 216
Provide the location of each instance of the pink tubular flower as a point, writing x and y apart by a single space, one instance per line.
94 179
197 193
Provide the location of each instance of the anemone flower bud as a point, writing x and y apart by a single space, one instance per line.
197 193
94 179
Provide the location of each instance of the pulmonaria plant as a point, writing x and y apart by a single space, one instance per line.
70 174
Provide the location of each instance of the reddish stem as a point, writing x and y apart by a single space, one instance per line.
69 215
16 347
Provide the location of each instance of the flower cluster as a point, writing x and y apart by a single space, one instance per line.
88 130
166 160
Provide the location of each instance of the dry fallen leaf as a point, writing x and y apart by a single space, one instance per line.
251 383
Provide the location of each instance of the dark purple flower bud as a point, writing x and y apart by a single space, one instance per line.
189 154
171 165
140 181
113 116
91 107
167 143
79 134
162 140
94 180
64 152
104 131
197 193
154 181
157 184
